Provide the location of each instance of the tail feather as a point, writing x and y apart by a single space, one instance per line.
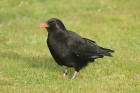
106 52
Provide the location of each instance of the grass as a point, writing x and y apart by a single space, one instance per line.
26 65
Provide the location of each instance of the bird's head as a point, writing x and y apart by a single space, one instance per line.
53 24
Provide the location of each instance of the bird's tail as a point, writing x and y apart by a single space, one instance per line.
106 52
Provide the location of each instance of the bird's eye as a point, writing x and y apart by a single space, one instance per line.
52 22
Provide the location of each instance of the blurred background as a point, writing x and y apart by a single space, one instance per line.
26 65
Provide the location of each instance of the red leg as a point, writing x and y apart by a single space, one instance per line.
74 75
65 72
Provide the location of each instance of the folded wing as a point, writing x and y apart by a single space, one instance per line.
90 50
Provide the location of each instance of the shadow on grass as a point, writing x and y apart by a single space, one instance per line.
36 61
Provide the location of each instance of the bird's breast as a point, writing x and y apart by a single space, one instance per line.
58 47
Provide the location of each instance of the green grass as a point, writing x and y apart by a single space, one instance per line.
26 65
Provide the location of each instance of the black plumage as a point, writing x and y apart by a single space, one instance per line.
70 49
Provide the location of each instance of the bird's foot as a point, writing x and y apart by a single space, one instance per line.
65 73
64 76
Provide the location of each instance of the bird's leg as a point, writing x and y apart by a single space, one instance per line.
65 72
74 75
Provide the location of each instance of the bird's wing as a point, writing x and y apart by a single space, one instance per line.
108 50
88 49
82 47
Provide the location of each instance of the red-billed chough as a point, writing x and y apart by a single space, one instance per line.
70 49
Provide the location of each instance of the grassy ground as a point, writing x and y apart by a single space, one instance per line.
26 66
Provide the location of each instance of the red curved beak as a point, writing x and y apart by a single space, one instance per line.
43 26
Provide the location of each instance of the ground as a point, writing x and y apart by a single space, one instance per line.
26 65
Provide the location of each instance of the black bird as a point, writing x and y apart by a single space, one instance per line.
70 49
